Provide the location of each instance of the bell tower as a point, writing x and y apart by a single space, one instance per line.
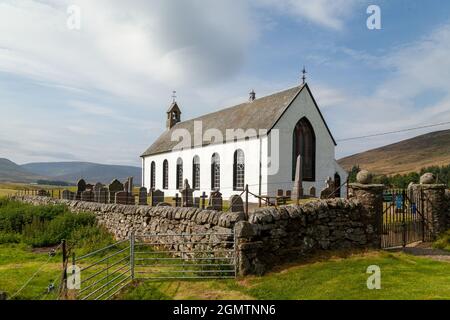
173 114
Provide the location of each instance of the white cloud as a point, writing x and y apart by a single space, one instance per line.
125 48
326 13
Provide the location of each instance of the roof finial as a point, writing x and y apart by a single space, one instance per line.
174 96
304 75
252 96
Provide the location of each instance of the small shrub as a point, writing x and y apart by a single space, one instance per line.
443 242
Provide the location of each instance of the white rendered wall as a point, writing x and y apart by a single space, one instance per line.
226 151
326 166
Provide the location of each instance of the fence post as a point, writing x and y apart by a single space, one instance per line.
132 239
63 287
246 200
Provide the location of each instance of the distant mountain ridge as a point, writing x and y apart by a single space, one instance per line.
91 172
66 171
411 155
12 172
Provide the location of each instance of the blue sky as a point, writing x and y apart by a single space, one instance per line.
100 93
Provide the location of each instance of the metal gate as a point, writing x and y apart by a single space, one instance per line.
105 272
405 218
185 256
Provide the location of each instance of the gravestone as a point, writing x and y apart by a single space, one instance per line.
128 186
215 201
143 196
157 197
327 192
89 187
81 187
280 192
42 193
87 196
177 200
297 191
197 202
98 186
187 195
68 195
122 197
114 186
312 192
236 204
103 195
288 194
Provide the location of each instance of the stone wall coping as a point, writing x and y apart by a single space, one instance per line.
430 186
376 187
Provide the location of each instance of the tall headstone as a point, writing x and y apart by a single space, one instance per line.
236 204
215 201
81 187
98 186
297 190
187 194
128 186
143 196
114 186
157 197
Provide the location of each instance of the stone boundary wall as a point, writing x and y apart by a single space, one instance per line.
269 237
120 220
276 235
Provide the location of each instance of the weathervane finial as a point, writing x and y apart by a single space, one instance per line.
304 75
174 96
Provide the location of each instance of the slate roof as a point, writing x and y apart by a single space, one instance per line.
262 113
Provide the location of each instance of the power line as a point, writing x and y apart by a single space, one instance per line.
392 132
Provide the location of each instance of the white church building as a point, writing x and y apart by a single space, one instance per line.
255 143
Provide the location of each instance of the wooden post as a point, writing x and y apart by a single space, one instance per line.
63 288
203 199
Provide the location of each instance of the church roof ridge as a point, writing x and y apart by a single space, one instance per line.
261 113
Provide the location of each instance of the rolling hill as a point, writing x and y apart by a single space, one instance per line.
91 172
12 172
66 171
432 149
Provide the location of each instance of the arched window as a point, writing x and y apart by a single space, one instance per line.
196 173
304 144
179 174
238 170
152 176
165 174
215 172
337 185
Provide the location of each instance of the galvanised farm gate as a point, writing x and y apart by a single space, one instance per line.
157 257
405 218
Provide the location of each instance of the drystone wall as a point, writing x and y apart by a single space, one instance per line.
276 235
268 237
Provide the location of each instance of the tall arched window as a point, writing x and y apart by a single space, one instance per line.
179 173
152 176
165 174
215 172
337 185
196 173
304 144
238 170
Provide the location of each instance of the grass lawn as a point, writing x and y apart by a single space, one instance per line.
402 277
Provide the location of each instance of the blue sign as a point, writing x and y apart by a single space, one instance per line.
399 201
